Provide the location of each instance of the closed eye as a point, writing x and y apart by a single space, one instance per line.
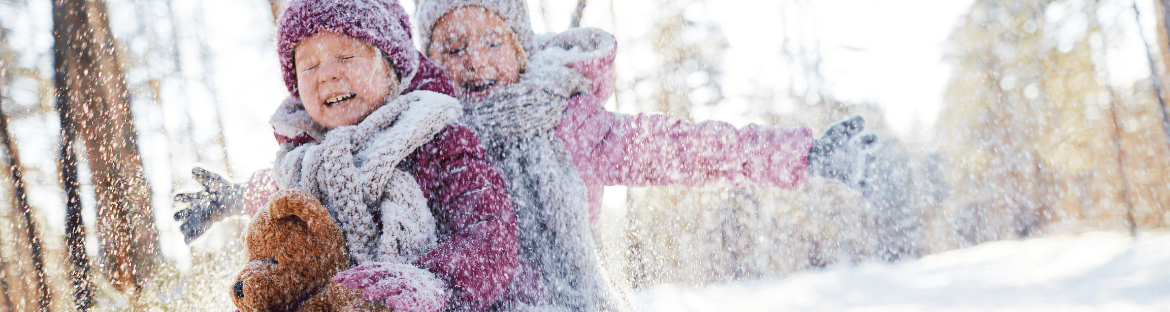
345 57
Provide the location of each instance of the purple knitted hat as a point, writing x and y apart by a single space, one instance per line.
382 23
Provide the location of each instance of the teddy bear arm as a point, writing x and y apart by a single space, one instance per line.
338 298
318 303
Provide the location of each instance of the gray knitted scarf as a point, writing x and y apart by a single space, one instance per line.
517 125
353 172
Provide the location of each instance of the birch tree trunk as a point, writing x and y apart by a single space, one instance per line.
95 96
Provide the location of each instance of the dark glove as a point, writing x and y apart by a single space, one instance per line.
219 198
843 155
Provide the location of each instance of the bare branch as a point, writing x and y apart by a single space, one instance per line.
577 14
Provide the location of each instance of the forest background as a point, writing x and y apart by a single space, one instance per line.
999 119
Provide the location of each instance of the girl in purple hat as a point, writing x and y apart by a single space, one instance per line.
372 132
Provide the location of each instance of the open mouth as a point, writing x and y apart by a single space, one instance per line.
478 85
339 99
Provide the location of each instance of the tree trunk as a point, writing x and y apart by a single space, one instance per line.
74 227
1125 191
1102 70
1162 13
576 22
8 306
1155 74
96 98
20 203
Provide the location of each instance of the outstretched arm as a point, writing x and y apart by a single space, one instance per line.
651 149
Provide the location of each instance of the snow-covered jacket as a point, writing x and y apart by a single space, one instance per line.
476 230
558 268
654 149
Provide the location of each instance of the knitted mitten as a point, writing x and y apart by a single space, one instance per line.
843 155
219 198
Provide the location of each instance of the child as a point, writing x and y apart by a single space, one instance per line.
371 138
536 104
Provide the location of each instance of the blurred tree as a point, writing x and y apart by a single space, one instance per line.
1102 70
576 18
1162 21
690 60
1024 126
67 167
29 224
1156 75
995 109
97 99
8 306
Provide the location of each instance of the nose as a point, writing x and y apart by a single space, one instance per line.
475 60
239 289
329 71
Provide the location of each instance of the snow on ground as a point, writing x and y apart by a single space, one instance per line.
1096 271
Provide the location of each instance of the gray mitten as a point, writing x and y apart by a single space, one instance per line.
219 198
843 155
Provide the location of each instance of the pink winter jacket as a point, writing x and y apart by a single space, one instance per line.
654 149
477 229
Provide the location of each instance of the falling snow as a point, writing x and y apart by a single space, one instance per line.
1020 144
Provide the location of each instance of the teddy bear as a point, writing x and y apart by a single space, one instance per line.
294 250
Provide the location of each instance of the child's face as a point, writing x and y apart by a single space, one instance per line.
477 49
341 80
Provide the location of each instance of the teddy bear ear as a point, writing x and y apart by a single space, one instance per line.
298 203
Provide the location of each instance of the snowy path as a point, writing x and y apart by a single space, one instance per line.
1098 271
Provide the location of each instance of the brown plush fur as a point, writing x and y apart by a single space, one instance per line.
294 249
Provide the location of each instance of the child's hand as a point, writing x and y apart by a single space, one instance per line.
218 199
400 286
843 155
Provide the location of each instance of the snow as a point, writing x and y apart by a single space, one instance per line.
1095 271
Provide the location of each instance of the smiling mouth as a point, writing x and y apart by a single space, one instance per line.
478 86
339 99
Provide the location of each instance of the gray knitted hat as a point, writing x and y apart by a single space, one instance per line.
514 13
